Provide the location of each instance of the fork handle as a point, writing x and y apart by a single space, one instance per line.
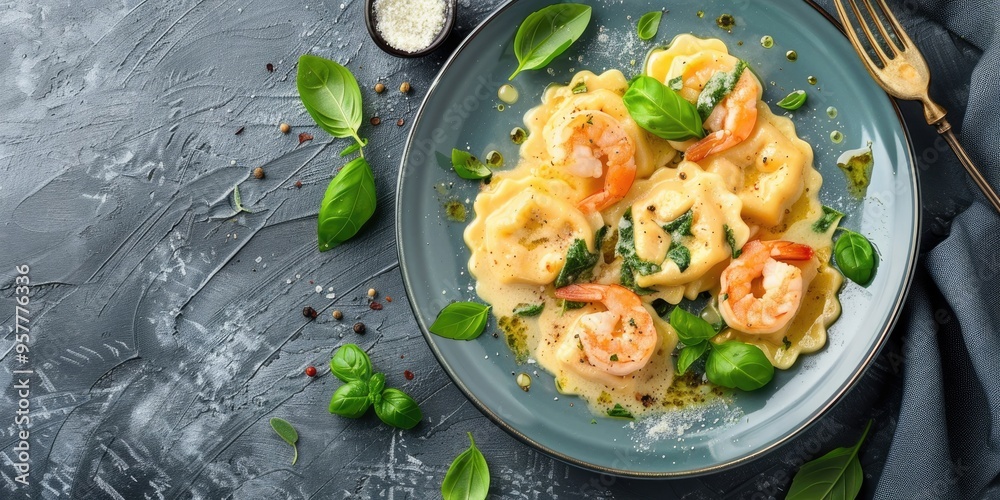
944 128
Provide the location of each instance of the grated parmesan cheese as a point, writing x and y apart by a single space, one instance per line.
409 25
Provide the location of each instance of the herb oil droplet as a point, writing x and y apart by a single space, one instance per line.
766 41
836 137
812 80
518 135
791 55
701 13
507 93
494 159
524 381
831 112
726 22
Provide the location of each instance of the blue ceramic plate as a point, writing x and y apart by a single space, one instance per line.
461 109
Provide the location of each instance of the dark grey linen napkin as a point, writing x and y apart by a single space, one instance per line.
947 438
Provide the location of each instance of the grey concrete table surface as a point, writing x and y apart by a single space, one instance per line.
166 329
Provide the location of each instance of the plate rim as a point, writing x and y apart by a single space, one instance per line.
808 422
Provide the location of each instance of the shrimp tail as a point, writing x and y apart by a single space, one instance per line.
709 144
787 250
581 293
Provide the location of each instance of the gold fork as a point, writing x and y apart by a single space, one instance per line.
903 74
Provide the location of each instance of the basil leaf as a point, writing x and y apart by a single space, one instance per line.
351 363
661 111
376 385
288 433
468 166
737 365
468 477
680 226
649 24
717 88
689 354
461 321
528 310
828 219
351 399
690 328
398 409
331 95
547 33
837 474
794 100
580 87
354 148
680 255
578 265
855 257
731 240
619 411
348 203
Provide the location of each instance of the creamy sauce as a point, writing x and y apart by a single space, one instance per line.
528 217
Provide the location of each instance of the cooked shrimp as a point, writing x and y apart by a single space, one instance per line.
732 120
588 137
760 294
620 340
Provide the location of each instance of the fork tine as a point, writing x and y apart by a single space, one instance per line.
900 32
881 28
852 35
868 32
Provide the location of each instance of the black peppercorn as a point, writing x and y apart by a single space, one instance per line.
359 328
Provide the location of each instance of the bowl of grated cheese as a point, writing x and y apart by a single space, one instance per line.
410 28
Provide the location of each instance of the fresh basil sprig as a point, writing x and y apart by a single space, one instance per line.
855 256
468 166
285 431
794 100
348 203
547 33
331 95
732 364
461 321
468 477
364 389
661 111
836 475
738 365
649 24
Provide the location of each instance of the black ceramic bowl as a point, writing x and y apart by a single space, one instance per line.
451 8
